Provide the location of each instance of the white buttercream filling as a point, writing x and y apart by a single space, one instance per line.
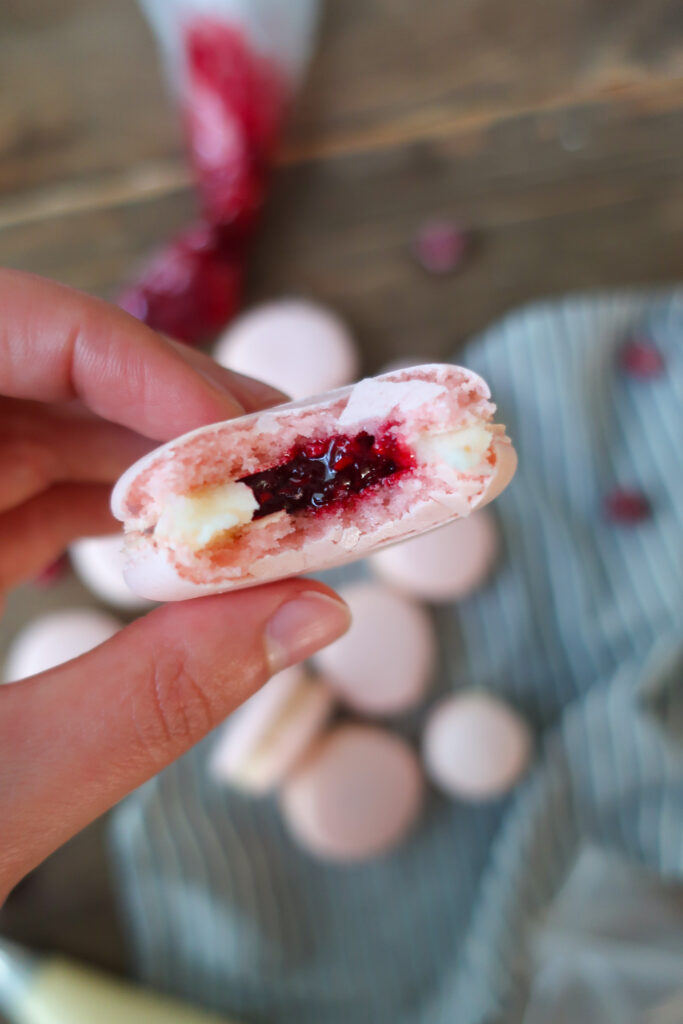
198 519
462 449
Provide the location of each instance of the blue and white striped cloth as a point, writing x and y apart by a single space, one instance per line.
581 629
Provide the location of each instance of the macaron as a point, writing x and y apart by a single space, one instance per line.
264 738
295 345
312 484
98 562
355 795
445 564
55 638
475 747
384 663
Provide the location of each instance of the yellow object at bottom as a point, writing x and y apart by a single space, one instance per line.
63 993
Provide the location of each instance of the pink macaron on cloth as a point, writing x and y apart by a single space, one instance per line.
578 629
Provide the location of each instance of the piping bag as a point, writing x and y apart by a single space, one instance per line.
37 990
233 66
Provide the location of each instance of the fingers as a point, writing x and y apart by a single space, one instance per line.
75 740
40 447
36 532
57 345
253 394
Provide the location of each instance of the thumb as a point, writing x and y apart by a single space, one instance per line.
76 739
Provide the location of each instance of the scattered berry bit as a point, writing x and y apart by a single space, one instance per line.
627 507
640 358
440 246
52 573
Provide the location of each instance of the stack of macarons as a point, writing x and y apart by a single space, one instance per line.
348 788
320 737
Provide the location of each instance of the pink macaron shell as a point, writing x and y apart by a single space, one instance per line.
294 345
383 664
57 637
444 564
475 747
279 545
355 795
264 738
99 564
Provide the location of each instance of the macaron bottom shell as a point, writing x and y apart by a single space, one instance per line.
99 563
356 794
475 746
56 637
384 663
295 345
445 564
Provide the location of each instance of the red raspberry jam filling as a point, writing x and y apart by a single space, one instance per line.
327 471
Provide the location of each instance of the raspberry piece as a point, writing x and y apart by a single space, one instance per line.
627 507
640 358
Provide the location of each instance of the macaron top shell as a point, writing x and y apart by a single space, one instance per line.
475 747
294 345
55 638
383 664
445 564
355 795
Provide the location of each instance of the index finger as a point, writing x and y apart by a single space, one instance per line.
57 344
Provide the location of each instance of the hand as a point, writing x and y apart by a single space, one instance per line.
84 391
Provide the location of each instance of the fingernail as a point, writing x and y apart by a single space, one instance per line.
256 394
224 391
214 375
302 626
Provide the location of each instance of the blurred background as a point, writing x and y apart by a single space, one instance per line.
552 130
550 133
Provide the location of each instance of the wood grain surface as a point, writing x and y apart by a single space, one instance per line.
553 131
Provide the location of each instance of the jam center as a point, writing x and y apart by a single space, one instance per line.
325 471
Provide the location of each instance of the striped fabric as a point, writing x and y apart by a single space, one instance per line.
581 629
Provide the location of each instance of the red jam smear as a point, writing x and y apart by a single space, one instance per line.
234 106
234 110
328 471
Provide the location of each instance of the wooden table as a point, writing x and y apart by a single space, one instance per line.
554 131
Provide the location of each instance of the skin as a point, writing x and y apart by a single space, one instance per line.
84 391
